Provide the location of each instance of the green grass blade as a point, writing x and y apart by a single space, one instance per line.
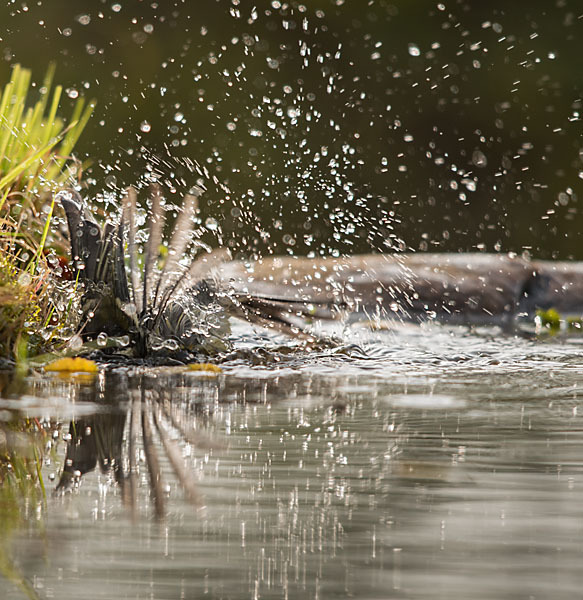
11 176
47 85
5 131
14 113
3 199
49 121
43 239
71 138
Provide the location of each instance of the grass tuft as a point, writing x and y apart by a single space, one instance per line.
35 143
36 146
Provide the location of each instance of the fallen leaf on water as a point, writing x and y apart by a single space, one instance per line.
205 367
72 365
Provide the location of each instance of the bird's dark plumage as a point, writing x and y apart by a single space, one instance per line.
175 304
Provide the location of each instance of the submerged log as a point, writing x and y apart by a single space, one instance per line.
453 288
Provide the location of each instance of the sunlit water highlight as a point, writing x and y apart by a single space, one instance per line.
426 462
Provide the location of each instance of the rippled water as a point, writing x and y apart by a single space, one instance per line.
423 463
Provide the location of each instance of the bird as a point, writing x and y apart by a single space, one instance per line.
174 304
184 303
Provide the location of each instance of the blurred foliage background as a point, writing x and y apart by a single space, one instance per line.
331 126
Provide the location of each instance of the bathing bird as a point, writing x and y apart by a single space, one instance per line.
171 303
185 303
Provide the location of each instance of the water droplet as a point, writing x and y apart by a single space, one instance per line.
124 340
145 127
102 339
170 344
75 343
479 159
414 50
211 224
73 93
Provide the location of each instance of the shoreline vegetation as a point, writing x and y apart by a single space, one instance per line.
36 160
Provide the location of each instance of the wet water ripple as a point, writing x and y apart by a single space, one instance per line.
405 466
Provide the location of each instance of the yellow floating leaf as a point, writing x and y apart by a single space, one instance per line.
72 365
208 367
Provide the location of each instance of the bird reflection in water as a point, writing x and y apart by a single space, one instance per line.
121 439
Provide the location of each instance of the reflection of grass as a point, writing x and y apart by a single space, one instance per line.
35 148
21 488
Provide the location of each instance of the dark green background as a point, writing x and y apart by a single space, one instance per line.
493 102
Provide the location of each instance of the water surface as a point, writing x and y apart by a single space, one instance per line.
423 462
